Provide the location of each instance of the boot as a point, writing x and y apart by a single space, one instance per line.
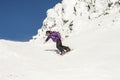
63 52
68 49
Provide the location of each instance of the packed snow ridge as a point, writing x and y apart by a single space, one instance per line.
90 27
72 16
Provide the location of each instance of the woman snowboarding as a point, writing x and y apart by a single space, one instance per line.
56 37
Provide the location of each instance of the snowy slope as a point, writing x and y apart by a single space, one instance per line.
93 36
96 56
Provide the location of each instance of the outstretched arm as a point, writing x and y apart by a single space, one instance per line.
47 38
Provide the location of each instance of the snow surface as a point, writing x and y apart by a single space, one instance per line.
96 56
96 44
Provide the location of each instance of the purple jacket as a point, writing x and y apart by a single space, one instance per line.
54 36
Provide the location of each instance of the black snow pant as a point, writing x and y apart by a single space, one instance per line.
60 47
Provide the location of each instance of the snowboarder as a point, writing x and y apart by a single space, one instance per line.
56 37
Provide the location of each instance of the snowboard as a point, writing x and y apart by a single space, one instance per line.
57 51
66 52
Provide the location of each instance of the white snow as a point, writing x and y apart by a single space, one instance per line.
96 56
71 16
96 44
